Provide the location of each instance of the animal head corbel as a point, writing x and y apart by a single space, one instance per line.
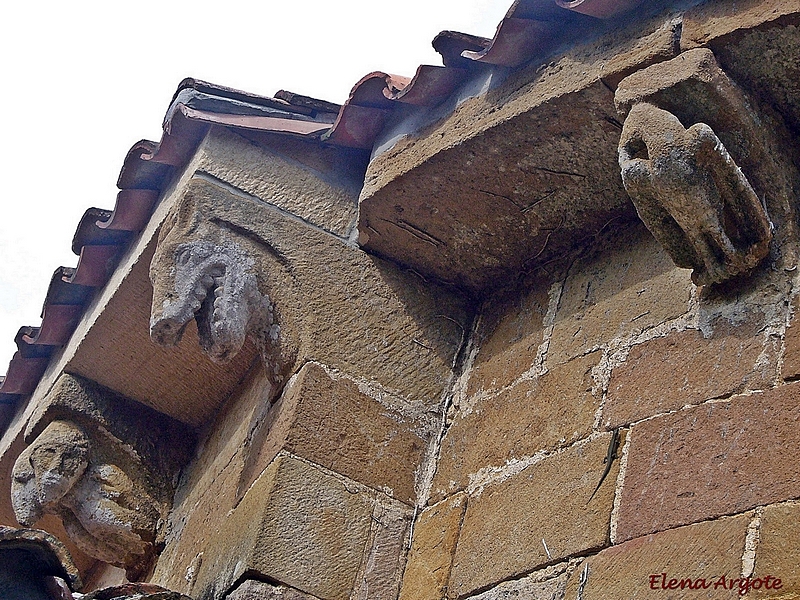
692 196
206 270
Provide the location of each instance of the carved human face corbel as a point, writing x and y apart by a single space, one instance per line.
103 503
106 466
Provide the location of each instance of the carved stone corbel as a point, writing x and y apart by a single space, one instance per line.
106 466
242 269
692 196
707 169
209 272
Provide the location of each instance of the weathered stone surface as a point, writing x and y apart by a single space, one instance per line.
694 88
505 523
229 455
78 399
790 369
333 424
37 554
637 53
778 550
310 194
382 567
211 486
259 590
711 20
509 339
765 60
432 547
546 193
711 460
683 368
624 286
103 576
295 520
692 196
135 591
327 301
547 584
700 551
553 410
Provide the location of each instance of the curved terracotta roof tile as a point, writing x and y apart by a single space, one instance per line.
58 323
363 115
430 85
139 173
95 264
23 375
517 40
132 210
88 232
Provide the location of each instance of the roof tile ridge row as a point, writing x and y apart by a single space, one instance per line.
100 239
530 28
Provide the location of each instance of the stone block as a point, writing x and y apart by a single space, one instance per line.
333 424
257 170
547 584
382 567
636 53
251 589
548 191
683 368
706 23
247 434
553 410
701 551
778 550
510 335
194 528
210 486
432 547
620 289
711 460
764 59
538 516
790 369
296 526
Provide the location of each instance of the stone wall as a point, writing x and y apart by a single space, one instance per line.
697 382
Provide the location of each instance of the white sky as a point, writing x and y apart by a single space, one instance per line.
82 81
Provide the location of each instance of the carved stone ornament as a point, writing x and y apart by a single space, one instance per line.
251 274
98 462
692 196
205 272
